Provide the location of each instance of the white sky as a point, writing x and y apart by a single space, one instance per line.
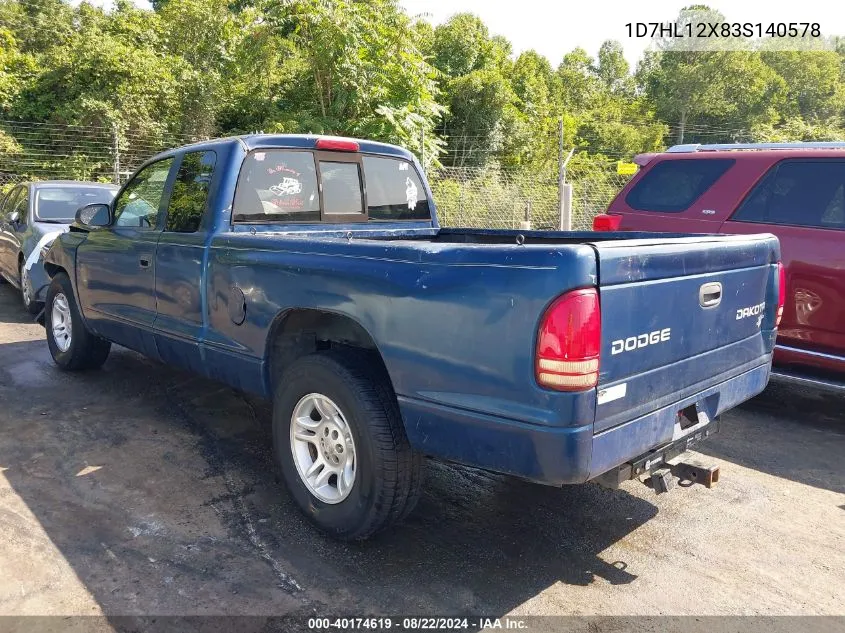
555 28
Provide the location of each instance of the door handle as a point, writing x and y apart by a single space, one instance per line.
145 261
710 295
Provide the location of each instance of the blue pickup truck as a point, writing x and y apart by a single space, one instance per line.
312 270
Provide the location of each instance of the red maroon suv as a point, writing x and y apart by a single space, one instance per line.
793 190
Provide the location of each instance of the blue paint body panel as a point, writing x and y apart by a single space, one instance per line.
454 314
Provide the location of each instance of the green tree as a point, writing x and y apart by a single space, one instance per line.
478 104
363 70
738 86
461 45
613 69
813 83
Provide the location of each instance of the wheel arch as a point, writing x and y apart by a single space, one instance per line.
297 332
54 269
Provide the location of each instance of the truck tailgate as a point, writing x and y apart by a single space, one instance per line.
666 335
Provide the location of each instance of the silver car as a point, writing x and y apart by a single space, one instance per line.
32 215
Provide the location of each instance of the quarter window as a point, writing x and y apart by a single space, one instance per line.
800 193
394 190
139 203
671 186
190 192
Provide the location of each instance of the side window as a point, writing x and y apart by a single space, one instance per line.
277 186
21 205
394 190
671 186
190 192
798 192
342 194
139 203
9 203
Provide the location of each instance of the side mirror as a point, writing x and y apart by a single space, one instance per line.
14 217
94 215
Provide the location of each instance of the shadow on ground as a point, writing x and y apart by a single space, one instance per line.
11 309
810 430
160 491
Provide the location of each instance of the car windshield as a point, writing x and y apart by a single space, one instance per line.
59 204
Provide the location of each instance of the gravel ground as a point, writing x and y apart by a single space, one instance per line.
139 489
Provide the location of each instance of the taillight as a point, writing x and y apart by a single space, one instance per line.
781 292
606 222
336 144
569 342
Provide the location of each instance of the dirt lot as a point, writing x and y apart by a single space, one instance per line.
139 489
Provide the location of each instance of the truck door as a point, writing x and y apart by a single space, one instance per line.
180 261
115 266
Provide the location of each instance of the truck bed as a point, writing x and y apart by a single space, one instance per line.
445 309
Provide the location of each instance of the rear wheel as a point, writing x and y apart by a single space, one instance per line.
27 292
339 439
71 345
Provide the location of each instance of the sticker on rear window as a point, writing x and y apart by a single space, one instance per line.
411 193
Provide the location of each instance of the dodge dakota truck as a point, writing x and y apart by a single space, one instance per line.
313 271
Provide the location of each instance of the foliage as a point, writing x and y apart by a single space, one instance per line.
454 92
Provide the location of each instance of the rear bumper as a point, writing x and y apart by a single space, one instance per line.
557 456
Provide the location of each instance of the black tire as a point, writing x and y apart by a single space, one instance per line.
388 473
85 351
30 304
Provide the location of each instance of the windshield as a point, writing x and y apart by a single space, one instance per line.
59 204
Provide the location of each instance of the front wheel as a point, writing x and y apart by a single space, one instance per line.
27 292
339 438
71 345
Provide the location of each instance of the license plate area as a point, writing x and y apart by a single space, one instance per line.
690 420
693 436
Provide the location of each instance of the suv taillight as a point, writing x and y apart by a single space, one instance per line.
781 292
607 222
569 342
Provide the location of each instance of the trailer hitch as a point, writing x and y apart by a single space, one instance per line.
687 473
690 473
659 468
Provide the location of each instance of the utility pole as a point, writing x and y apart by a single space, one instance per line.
116 152
560 179
422 147
564 190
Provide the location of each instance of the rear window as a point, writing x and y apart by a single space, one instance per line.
284 186
394 190
278 186
799 193
671 186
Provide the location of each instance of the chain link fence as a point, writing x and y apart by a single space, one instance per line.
488 197
7 181
594 185
494 198
504 199
52 151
